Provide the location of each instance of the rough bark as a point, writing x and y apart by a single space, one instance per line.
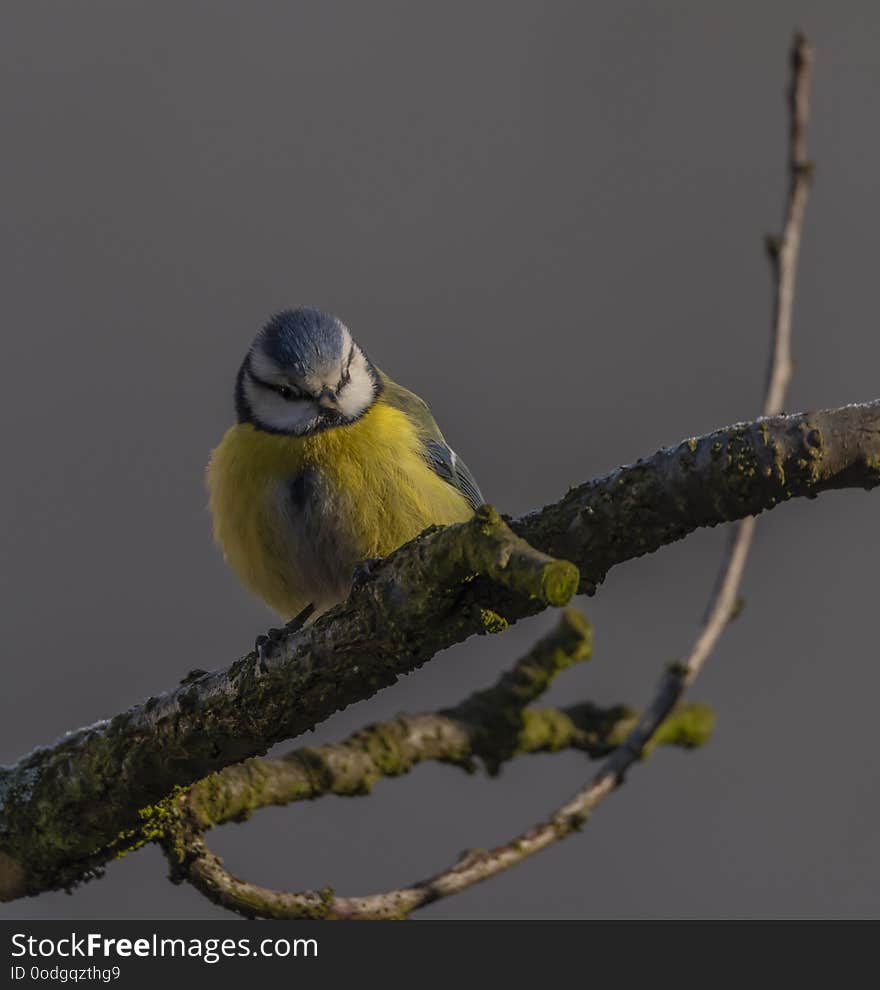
489 728
64 809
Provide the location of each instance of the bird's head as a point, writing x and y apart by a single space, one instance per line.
304 373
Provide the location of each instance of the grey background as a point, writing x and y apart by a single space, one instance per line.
546 218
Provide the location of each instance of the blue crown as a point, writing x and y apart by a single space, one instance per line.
302 339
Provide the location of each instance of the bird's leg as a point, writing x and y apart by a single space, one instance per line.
363 571
299 620
267 644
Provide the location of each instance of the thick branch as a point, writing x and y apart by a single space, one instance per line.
491 725
63 807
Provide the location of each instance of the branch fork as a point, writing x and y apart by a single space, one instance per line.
67 809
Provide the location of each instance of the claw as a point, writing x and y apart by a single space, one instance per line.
268 643
363 571
266 647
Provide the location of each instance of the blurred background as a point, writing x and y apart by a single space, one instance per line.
548 220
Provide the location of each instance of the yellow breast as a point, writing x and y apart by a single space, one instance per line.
372 491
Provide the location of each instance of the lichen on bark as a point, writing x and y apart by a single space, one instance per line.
491 727
64 807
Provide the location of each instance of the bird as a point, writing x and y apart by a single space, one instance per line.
330 464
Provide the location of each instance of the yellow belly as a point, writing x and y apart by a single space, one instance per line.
376 492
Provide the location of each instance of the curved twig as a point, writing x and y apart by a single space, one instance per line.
66 809
573 815
491 726
207 871
784 254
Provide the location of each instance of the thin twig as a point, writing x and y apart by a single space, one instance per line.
784 253
492 726
477 866
65 808
679 676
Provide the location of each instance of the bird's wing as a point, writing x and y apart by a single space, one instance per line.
438 453
444 460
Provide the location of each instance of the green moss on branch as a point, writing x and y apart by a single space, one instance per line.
491 726
63 807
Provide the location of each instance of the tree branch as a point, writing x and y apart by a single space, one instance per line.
573 815
492 726
63 807
66 809
206 871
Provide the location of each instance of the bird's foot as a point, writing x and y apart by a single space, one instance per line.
299 620
268 644
364 571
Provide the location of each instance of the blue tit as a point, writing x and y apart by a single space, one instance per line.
331 463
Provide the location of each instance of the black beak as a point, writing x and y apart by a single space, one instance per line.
328 400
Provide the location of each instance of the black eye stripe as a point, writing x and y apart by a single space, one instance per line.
346 375
288 392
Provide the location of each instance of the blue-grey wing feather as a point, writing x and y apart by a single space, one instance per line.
453 469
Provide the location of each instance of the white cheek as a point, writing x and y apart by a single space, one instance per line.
358 394
284 415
